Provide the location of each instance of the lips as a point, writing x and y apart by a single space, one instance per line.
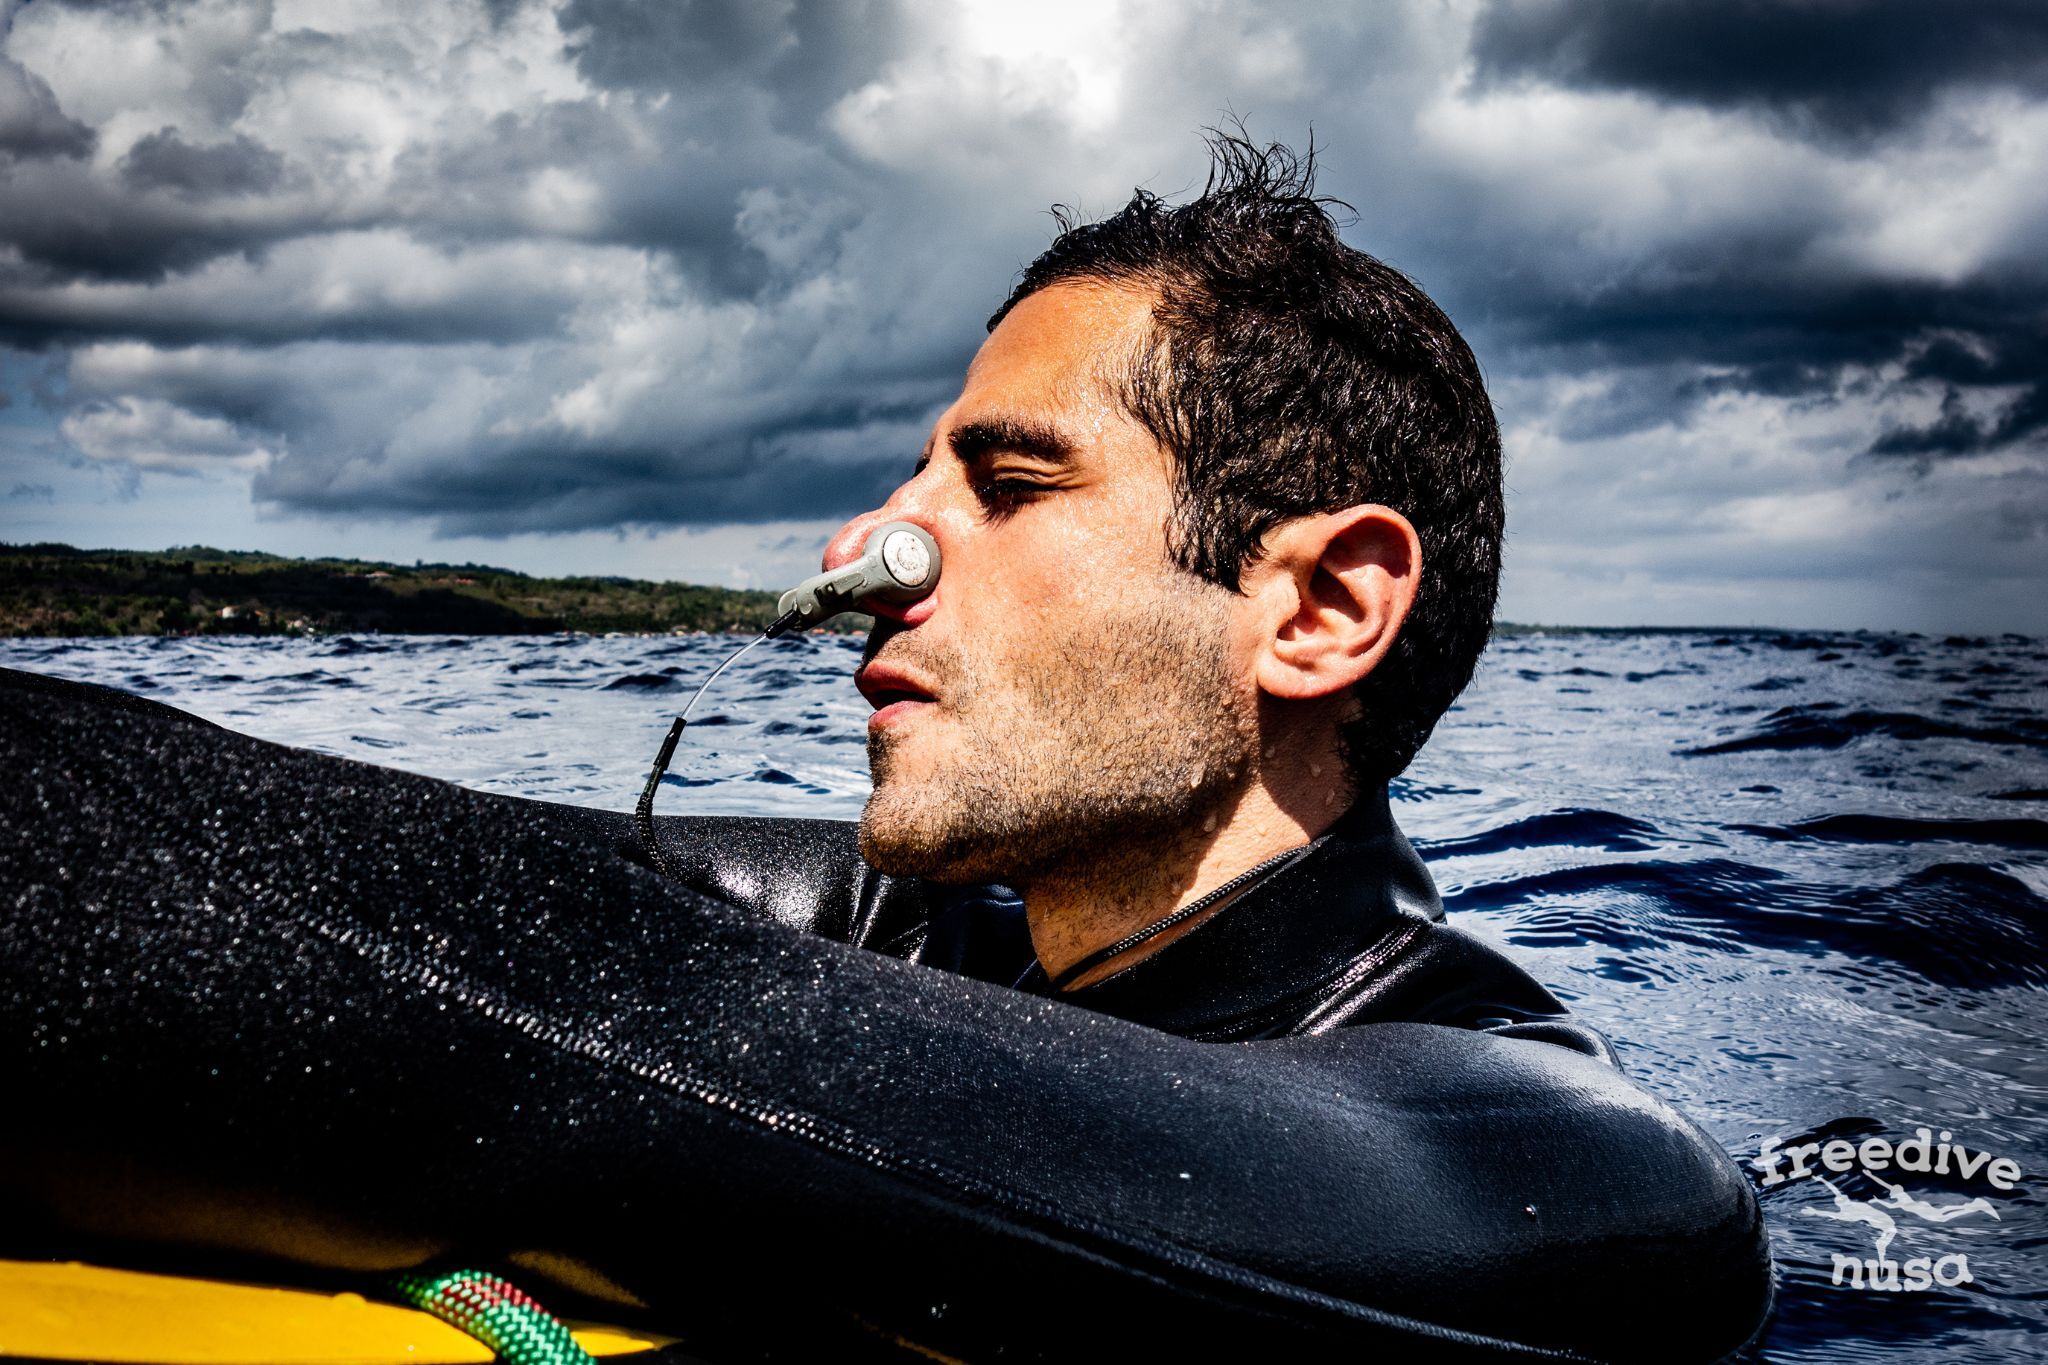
892 690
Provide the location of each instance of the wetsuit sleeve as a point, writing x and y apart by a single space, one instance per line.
291 1006
809 876
806 874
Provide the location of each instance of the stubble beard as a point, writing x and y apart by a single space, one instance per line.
1098 747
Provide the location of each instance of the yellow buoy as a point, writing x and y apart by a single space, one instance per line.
67 1311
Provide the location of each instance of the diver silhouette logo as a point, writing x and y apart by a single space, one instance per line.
1848 1210
1920 1272
1944 1213
1921 1152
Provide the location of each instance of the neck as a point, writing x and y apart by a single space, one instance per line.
1080 908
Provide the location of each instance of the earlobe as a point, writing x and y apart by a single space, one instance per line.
1337 587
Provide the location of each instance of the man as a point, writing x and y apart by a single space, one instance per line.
1219 506
1219 511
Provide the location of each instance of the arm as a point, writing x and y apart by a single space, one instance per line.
809 876
352 1018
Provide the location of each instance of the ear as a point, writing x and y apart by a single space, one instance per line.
1335 588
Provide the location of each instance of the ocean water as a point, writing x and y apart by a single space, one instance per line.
1802 881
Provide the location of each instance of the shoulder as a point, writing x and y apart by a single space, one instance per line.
806 874
1545 1194
1429 972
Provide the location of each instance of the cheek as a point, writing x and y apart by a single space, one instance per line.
1085 553
1011 579
1034 582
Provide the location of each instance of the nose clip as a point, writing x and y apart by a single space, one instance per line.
899 564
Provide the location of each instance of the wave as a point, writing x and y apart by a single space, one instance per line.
1956 924
1570 828
644 682
1825 725
1895 829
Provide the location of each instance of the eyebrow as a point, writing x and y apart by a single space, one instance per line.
976 441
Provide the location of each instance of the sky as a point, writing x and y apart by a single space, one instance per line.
669 289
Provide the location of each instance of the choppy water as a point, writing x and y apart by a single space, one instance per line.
1802 881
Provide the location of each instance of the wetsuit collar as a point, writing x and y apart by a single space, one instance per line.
1266 955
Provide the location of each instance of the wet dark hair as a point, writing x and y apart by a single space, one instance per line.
1288 374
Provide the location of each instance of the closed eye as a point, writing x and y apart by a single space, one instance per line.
1003 496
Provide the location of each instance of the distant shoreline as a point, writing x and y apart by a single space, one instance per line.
59 591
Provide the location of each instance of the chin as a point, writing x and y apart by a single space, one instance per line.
908 838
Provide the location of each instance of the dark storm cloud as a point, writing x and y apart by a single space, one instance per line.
2018 360
621 43
1761 303
818 466
1852 67
31 123
802 56
744 84
1958 431
67 221
1981 342
538 489
725 80
1784 337
165 161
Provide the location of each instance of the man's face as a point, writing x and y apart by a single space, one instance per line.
1066 690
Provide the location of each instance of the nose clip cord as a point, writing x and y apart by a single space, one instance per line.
898 564
643 814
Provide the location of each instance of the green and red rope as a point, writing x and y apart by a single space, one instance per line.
495 1312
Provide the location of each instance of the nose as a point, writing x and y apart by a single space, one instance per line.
846 543
850 540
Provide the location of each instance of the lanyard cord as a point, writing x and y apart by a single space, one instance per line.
1180 916
643 814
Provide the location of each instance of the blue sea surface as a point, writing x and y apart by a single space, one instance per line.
1801 880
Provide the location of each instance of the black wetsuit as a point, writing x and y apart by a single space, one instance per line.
1348 930
260 1000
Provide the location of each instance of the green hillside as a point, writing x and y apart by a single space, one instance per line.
58 590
